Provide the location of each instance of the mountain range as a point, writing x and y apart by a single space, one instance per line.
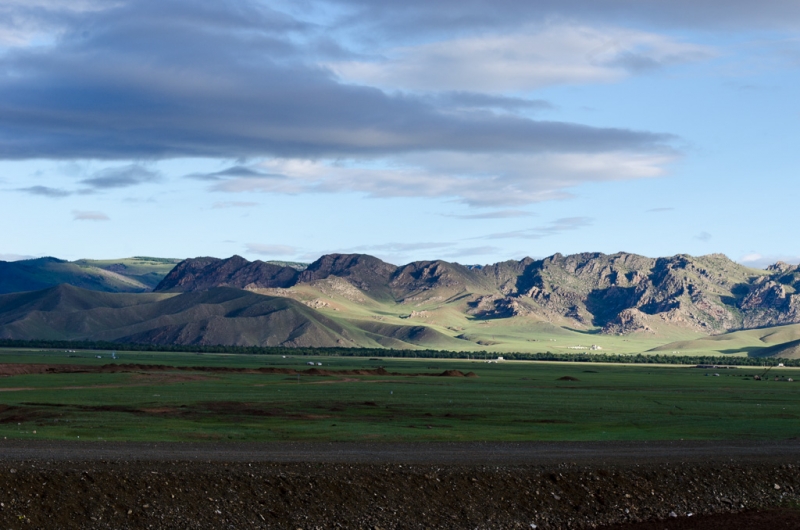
620 293
625 301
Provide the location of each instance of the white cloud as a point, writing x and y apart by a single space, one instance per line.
485 180
472 251
398 247
496 214
270 250
758 261
80 215
749 258
552 55
15 257
233 204
565 224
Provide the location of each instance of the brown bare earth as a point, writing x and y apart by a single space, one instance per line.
636 486
11 369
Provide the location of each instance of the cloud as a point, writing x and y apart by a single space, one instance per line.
397 19
659 210
233 204
121 177
533 58
45 191
484 180
758 261
15 257
497 214
472 251
703 236
556 227
165 79
80 215
398 247
477 100
752 257
235 171
271 250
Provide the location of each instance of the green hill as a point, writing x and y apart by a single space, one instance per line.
130 275
217 316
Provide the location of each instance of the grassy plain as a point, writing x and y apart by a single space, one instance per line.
508 401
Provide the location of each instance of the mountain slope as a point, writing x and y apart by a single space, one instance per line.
131 275
219 315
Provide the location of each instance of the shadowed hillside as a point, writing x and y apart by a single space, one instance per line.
219 315
131 275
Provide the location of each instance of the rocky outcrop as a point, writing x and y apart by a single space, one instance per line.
205 273
494 306
628 321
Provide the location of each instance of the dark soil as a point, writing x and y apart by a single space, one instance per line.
104 485
34 368
775 519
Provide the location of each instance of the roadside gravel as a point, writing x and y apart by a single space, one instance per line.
60 485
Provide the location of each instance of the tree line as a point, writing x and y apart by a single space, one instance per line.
638 358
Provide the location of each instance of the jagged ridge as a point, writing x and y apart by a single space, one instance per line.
620 293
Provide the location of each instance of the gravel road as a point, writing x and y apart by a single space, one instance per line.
650 485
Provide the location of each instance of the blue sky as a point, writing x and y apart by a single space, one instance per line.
468 131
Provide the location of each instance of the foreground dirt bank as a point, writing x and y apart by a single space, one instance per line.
46 486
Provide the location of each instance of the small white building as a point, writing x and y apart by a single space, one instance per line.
310 363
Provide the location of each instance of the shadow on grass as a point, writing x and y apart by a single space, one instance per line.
596 331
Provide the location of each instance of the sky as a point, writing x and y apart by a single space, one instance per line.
470 131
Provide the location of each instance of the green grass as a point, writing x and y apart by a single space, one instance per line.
512 401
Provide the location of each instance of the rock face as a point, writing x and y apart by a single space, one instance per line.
204 273
620 293
367 273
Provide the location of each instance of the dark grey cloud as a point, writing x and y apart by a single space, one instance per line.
121 177
45 191
233 172
172 78
558 226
